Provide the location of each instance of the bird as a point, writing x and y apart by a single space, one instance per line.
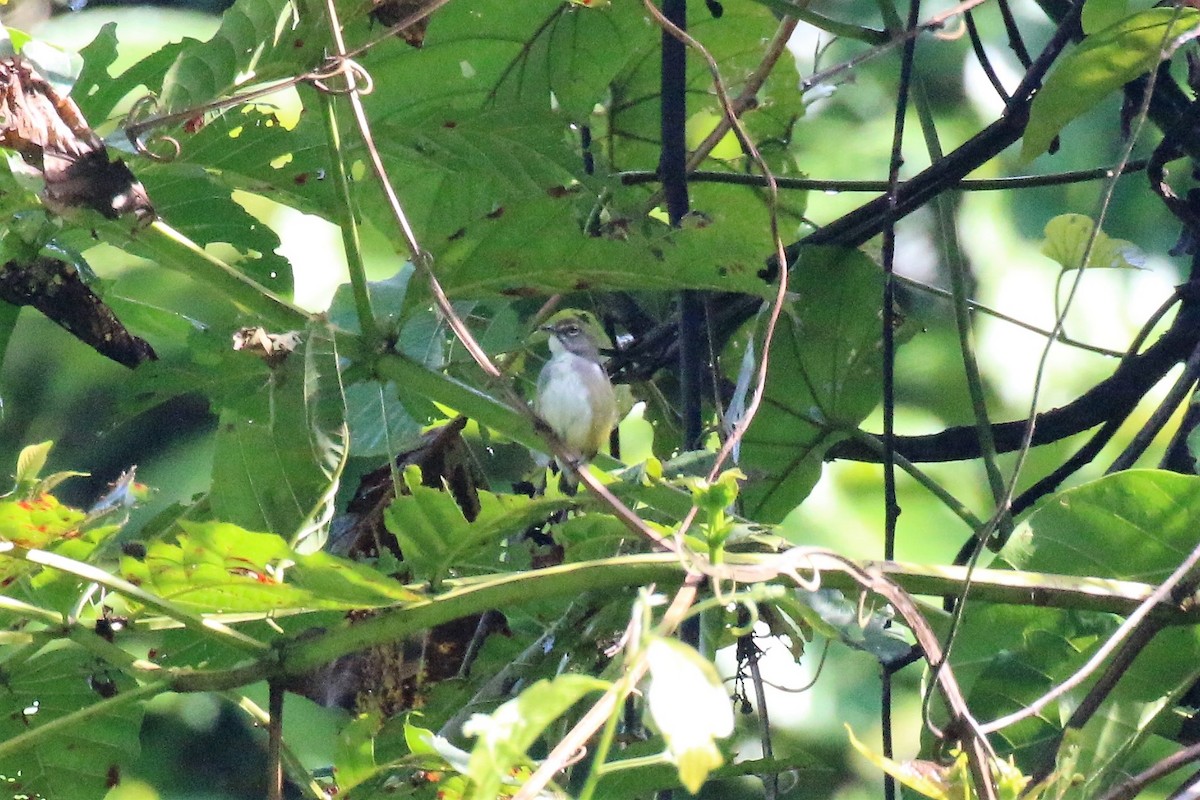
574 394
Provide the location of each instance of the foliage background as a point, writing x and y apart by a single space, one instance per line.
53 387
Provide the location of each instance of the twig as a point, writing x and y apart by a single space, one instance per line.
1145 435
637 177
569 745
1182 572
275 741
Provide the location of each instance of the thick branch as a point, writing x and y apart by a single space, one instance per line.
1112 398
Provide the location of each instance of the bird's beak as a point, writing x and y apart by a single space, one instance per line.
546 328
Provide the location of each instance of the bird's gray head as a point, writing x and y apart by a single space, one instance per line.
570 335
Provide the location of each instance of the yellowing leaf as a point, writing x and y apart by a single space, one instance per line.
927 777
700 125
1066 242
690 707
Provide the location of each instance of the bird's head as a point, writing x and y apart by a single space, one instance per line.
576 333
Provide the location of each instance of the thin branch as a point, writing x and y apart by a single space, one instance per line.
1158 420
1182 573
637 177
348 222
94 574
1132 786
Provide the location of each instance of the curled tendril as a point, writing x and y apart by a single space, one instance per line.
947 34
356 76
140 120
752 617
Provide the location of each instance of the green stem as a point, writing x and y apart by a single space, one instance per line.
916 473
498 592
30 611
658 759
952 253
843 30
96 575
78 718
173 250
601 752
347 221
305 652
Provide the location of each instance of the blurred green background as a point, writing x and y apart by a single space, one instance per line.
53 387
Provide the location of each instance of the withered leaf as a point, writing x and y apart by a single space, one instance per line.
272 348
393 12
54 138
56 289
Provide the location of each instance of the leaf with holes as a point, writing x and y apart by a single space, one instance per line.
81 761
215 566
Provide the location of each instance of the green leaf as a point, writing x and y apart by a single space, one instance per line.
457 167
575 56
1102 64
1092 530
82 760
736 42
31 461
38 522
215 566
200 207
1066 242
251 149
1100 14
280 447
524 251
265 39
504 736
1135 525
434 535
824 377
354 751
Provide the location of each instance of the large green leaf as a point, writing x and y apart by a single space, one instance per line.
195 204
455 168
249 148
215 566
735 41
824 377
82 760
435 536
1102 64
97 93
1136 525
537 248
279 448
259 40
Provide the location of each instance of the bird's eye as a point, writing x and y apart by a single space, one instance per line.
572 330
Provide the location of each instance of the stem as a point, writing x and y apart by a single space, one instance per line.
173 250
348 222
94 574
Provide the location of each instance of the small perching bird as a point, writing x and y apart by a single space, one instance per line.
574 395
